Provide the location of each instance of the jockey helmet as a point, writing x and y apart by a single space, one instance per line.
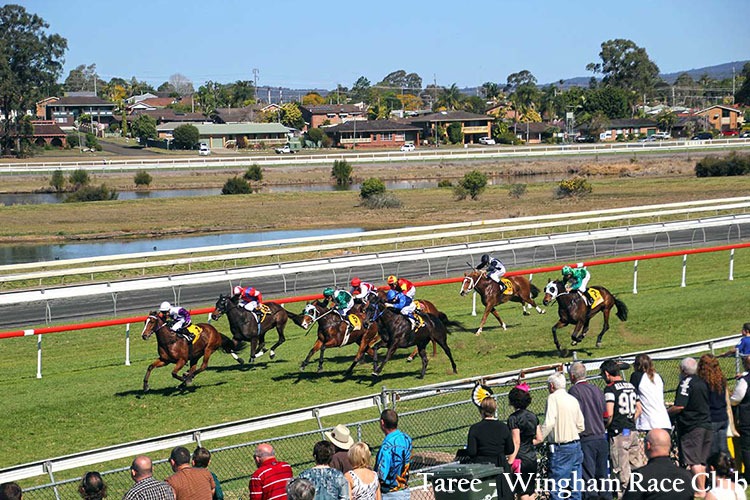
567 270
237 290
485 259
165 306
328 292
392 280
356 282
390 296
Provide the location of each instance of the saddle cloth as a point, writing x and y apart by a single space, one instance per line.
596 297
196 331
508 286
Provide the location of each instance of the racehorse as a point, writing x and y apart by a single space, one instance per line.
175 349
572 309
335 332
396 332
489 291
244 325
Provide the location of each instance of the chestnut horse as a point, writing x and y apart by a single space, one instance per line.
523 292
175 349
572 309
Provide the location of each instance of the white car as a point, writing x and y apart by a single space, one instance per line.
489 141
204 150
284 150
662 136
407 147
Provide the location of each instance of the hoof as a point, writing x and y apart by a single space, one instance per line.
598 344
564 353
189 382
302 367
478 333
410 359
543 311
505 327
573 342
146 388
526 313
375 373
261 353
271 354
320 369
241 361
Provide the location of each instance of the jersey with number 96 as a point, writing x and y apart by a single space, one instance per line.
625 398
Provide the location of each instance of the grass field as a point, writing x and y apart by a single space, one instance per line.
88 398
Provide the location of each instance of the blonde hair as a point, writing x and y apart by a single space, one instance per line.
360 456
488 407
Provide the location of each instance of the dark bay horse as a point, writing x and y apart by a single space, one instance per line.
332 332
244 326
174 348
572 309
396 332
489 291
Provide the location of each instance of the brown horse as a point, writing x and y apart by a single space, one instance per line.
523 292
175 349
572 309
335 332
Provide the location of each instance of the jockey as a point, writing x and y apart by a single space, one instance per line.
342 301
402 285
180 318
250 298
403 303
577 279
361 289
495 269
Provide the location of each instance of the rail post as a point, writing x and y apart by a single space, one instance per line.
38 356
474 303
684 269
635 277
731 265
127 344
48 470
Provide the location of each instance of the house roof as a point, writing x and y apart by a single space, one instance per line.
81 101
729 108
158 102
167 115
619 123
536 127
372 126
324 109
230 128
236 115
450 116
46 129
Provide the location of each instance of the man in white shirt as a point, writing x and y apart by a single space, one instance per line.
563 422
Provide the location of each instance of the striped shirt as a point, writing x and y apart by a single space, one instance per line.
149 489
269 481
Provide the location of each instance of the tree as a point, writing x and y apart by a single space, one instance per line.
144 128
666 120
399 79
490 90
30 63
181 84
241 93
316 135
596 123
312 99
455 133
613 102
342 172
79 177
254 173
475 104
236 185
291 116
91 193
474 183
450 98
410 102
626 65
58 180
361 91
142 178
515 80
371 187
743 94
186 136
82 78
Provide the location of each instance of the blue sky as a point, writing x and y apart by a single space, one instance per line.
302 44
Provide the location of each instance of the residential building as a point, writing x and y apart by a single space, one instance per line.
140 97
66 110
372 134
41 107
221 135
332 114
473 125
721 117
47 133
169 115
245 114
623 127
534 132
151 104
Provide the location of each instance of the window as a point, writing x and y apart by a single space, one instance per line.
399 137
386 137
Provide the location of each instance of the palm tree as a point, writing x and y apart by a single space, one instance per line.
450 98
490 90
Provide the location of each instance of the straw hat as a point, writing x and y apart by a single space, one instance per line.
340 437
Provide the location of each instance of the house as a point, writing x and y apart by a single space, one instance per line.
41 107
221 135
168 115
535 132
46 133
332 114
722 118
245 114
140 97
372 134
622 127
473 125
270 108
150 104
66 110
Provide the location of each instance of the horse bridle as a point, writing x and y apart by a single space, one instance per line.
314 316
558 294
472 282
156 319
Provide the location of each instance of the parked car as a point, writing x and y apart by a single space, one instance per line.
286 149
409 146
745 134
585 138
650 138
662 136
204 150
488 141
730 133
703 136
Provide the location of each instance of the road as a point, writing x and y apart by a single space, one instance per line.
120 150
75 310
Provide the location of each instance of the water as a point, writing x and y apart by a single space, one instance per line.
16 254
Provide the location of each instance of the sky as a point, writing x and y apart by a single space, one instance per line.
306 44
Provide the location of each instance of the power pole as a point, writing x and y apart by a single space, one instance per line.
434 91
733 91
255 84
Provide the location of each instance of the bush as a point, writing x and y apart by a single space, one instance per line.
372 187
455 133
317 136
142 178
236 185
342 172
58 180
72 141
733 164
91 141
254 173
91 193
445 183
508 137
474 183
517 190
241 142
185 136
572 188
378 201
79 178
460 192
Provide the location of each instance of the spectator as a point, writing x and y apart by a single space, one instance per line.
744 344
92 487
300 489
563 423
710 371
741 398
650 390
270 478
693 422
490 440
342 439
330 484
593 438
660 468
394 459
201 460
721 465
363 482
526 433
146 487
187 482
10 491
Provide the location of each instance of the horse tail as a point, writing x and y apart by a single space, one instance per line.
449 322
533 290
622 309
229 345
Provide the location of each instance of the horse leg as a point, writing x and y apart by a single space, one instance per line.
423 354
253 348
574 336
487 310
444 346
280 329
177 367
497 315
193 372
316 346
605 327
412 355
554 334
532 303
524 302
156 364
261 342
434 349
391 350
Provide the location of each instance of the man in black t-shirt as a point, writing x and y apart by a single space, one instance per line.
623 408
673 482
693 418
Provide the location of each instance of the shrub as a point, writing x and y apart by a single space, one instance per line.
58 180
507 137
460 192
474 183
378 201
733 164
316 135
517 190
142 178
445 183
236 185
241 142
372 187
79 178
91 141
91 193
72 141
342 172
185 136
572 188
254 173
455 133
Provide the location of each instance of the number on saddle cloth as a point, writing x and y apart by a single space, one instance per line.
508 286
596 297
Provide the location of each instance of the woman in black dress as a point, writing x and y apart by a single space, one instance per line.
526 433
490 442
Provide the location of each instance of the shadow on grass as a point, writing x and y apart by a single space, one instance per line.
166 391
550 353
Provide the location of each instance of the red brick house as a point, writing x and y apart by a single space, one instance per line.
47 133
373 134
332 114
722 118
473 125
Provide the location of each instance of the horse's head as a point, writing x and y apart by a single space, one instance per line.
470 281
551 291
309 315
222 305
154 322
